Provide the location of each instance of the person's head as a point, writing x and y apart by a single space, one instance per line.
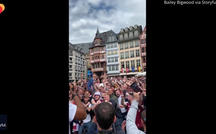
86 100
106 97
118 92
87 93
110 91
98 80
97 96
80 93
104 115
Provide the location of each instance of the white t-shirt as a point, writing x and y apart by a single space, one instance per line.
88 117
72 112
123 110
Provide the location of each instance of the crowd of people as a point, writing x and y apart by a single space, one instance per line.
108 105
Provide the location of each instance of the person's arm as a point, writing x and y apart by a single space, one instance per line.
81 110
131 118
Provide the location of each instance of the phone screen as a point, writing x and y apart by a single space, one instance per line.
135 87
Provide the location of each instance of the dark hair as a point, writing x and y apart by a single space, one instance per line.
105 114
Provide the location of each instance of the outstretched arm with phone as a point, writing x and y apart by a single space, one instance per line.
131 116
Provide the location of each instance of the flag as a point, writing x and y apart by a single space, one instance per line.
139 68
127 70
122 70
133 70
90 83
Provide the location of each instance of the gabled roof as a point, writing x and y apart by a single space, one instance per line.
105 36
83 47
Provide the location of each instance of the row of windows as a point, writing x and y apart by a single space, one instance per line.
111 38
125 55
97 57
76 74
129 35
130 44
98 65
112 52
77 59
130 64
112 59
112 45
76 67
96 49
113 68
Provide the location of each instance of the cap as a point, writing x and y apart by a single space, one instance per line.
97 93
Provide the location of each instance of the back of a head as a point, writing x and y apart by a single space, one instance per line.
105 114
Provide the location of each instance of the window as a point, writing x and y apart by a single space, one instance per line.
109 52
132 63
108 46
122 55
122 65
143 50
121 37
121 47
126 36
144 69
116 59
131 35
70 58
114 52
111 45
131 45
136 33
127 64
112 59
137 43
108 60
137 53
127 54
71 53
117 67
144 59
115 45
132 53
143 41
113 67
109 68
70 66
138 63
109 39
126 45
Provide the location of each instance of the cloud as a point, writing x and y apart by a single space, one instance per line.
86 15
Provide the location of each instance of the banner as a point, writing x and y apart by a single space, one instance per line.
133 69
122 70
139 68
127 70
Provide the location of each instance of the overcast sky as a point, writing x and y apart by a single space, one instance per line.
86 15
